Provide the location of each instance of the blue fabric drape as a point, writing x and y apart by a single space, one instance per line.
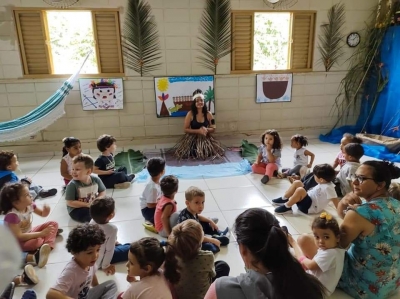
385 119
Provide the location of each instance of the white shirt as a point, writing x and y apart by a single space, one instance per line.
107 248
151 194
300 158
330 261
67 158
321 195
344 176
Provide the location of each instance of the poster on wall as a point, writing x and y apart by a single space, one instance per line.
101 94
174 94
272 88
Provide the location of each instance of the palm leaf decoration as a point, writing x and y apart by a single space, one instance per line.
140 44
249 151
132 160
331 38
215 33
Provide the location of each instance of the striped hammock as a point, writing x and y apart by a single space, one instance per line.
42 116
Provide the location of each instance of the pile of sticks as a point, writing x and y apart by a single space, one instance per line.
198 146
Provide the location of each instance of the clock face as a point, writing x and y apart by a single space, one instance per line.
353 39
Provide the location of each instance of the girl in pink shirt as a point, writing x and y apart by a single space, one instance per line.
16 203
165 216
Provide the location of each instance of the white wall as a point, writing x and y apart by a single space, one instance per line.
236 111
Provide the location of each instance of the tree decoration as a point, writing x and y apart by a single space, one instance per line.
330 43
140 43
215 33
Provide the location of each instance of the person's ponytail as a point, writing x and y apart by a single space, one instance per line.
259 231
171 267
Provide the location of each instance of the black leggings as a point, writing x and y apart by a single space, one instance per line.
118 177
80 214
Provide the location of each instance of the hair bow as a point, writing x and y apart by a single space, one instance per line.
326 216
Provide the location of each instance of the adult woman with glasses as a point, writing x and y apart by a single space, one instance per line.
371 230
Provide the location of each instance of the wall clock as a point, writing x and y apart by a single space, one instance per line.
353 39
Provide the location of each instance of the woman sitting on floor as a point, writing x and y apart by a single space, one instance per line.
372 230
199 124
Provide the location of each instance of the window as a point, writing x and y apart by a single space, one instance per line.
54 42
272 41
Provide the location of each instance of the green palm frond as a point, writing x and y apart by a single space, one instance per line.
331 38
215 33
140 43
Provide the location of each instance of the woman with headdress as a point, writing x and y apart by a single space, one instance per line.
199 125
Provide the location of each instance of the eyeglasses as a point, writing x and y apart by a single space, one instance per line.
359 178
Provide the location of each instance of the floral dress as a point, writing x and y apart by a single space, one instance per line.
372 265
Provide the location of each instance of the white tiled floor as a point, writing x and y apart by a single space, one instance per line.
225 198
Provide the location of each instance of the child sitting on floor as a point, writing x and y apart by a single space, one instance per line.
347 138
326 263
111 252
78 279
152 192
72 147
313 200
16 203
8 166
196 268
269 155
146 257
352 152
301 154
105 165
165 216
83 189
195 199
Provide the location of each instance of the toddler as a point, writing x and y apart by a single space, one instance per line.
301 154
72 147
313 200
152 192
347 138
269 155
327 263
102 210
146 257
352 152
8 166
83 189
105 165
165 216
78 279
16 203
195 199
196 268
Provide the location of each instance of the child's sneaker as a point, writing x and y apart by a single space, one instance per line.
42 255
283 210
29 294
131 177
47 193
125 185
223 239
150 227
8 293
224 232
265 179
29 275
279 201
59 231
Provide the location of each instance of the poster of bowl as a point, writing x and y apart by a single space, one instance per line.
272 88
174 94
101 94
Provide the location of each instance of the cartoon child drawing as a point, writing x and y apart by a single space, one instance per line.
104 93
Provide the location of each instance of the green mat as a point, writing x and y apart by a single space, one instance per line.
132 160
249 151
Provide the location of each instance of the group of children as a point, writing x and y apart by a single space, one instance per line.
192 239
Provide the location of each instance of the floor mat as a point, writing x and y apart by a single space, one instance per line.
231 156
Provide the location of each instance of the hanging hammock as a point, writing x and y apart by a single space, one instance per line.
42 116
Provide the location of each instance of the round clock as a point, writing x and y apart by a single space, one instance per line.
353 39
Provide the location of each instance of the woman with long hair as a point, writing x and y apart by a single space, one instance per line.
199 125
272 271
